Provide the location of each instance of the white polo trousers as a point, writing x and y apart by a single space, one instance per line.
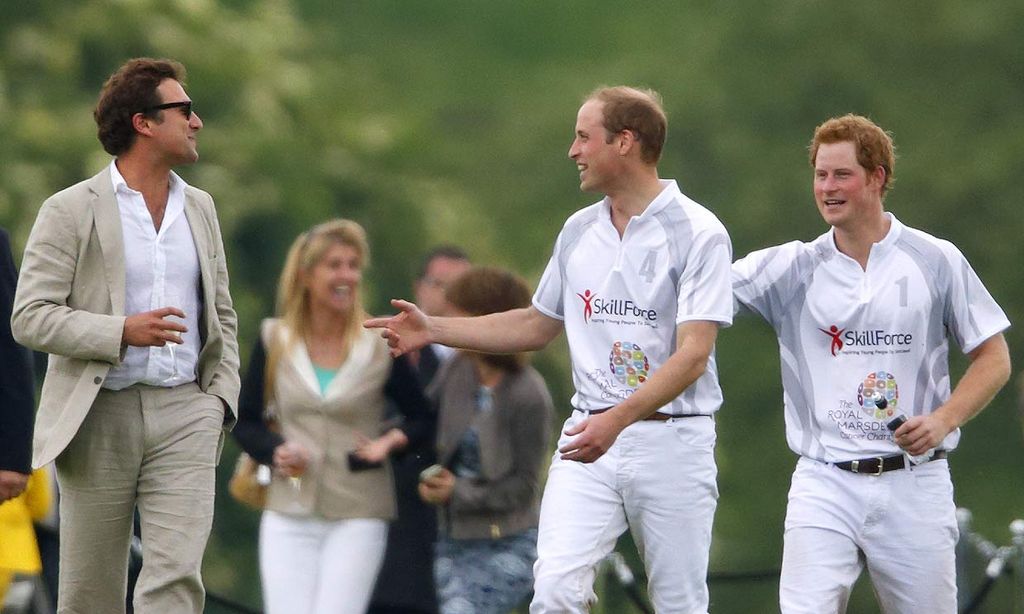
901 524
658 480
317 566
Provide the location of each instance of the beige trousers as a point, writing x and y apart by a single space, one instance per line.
155 448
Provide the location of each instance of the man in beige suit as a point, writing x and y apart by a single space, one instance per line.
124 283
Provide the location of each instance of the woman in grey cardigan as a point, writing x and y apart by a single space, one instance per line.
326 381
493 432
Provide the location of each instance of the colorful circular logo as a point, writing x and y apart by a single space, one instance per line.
878 395
628 363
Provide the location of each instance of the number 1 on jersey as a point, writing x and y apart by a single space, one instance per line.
902 283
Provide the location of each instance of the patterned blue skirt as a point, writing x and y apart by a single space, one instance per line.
484 576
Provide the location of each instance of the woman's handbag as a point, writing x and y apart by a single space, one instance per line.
248 484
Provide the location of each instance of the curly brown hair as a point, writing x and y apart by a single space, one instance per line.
127 92
482 290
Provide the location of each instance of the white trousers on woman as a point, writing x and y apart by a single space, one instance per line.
316 566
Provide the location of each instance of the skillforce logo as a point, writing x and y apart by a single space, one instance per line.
588 308
837 340
842 338
593 305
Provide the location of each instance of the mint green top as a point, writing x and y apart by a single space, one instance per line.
324 376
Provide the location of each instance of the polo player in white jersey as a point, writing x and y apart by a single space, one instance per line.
863 316
640 282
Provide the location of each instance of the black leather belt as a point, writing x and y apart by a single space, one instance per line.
877 465
655 417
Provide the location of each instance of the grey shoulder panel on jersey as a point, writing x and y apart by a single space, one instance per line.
792 283
572 232
929 259
937 275
796 378
678 228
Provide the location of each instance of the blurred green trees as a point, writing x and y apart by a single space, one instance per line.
449 121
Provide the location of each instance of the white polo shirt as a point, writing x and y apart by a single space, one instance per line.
859 347
621 299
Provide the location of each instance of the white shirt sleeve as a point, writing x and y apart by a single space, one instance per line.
549 298
763 280
972 315
705 291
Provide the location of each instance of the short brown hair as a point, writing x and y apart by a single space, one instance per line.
636 110
873 145
482 290
445 251
127 92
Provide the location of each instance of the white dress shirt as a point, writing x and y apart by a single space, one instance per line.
161 270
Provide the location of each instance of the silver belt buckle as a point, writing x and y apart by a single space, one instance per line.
855 466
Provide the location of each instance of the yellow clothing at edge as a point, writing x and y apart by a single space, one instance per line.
18 549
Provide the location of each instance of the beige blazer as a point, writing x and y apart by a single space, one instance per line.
70 304
327 425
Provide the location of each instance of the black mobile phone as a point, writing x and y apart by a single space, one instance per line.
357 463
896 422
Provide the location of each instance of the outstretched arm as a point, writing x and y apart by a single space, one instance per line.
517 330
988 372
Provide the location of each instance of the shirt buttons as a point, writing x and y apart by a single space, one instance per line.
97 380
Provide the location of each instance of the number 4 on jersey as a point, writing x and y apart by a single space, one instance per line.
647 268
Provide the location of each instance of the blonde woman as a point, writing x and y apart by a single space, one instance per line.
325 381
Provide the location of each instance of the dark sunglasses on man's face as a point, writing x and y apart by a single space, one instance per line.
185 106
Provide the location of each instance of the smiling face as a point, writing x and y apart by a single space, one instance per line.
333 282
174 134
846 193
598 160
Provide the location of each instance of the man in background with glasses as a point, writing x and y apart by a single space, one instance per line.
405 584
124 283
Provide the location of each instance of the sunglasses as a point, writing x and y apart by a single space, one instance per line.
185 106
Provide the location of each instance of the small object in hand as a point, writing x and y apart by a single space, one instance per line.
357 463
431 472
263 475
896 422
